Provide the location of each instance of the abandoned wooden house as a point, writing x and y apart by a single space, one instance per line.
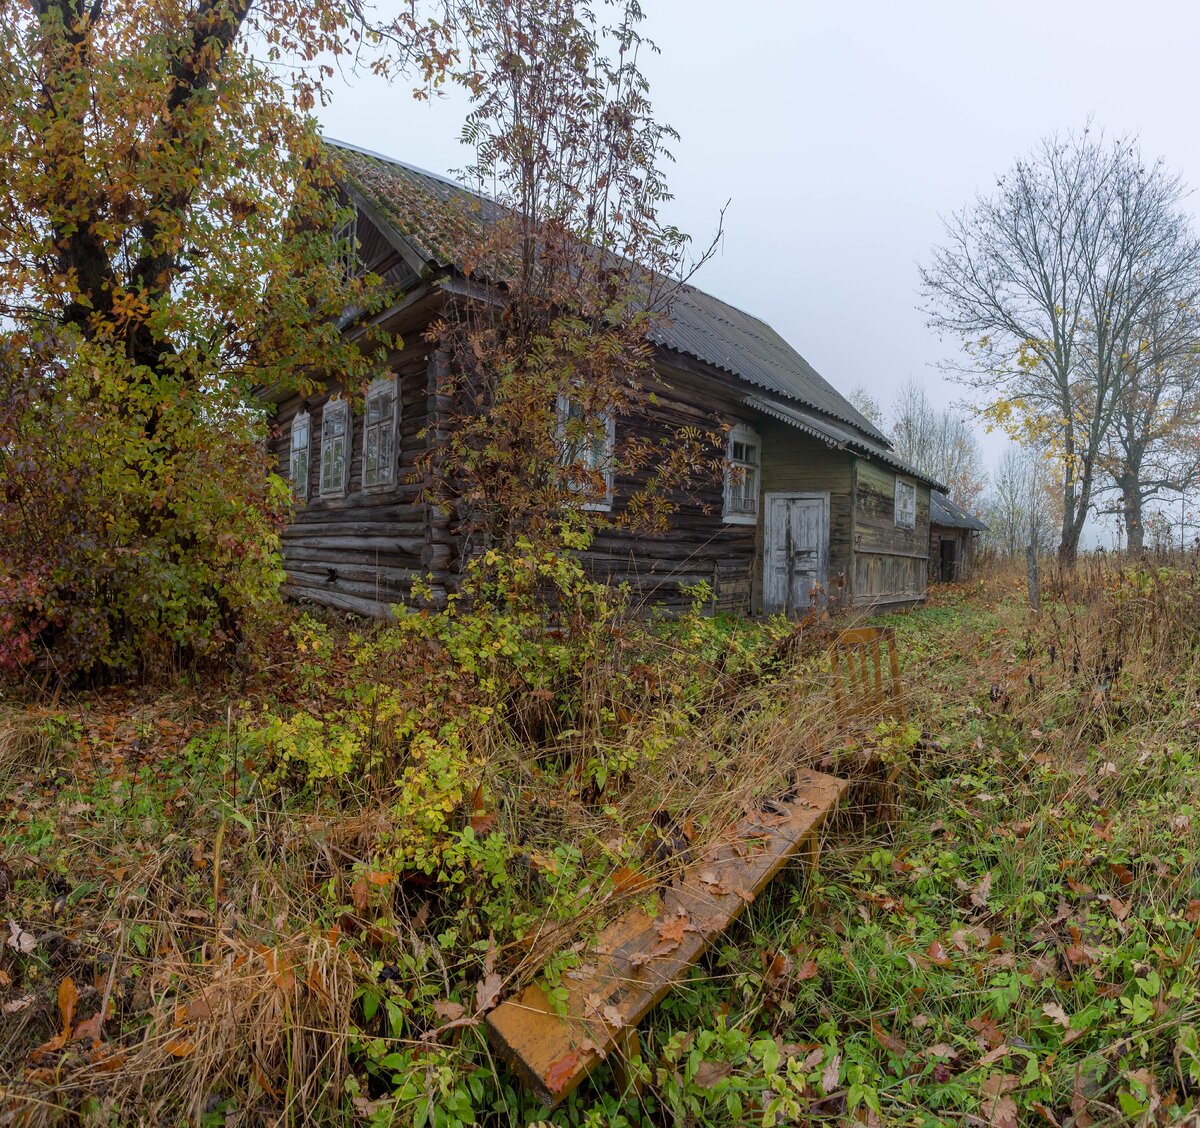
953 539
820 503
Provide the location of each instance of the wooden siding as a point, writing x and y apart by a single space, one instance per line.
792 460
698 545
890 563
964 541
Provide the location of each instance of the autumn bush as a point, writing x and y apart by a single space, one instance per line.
138 522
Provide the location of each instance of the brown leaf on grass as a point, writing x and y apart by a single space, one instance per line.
1192 912
15 1006
937 954
613 1017
979 895
708 1073
999 1108
1045 1114
449 1010
6 879
1118 907
562 1071
985 1026
487 991
830 1074
360 892
627 881
1054 1011
180 1047
889 1042
807 970
20 941
778 967
68 996
89 1030
942 1050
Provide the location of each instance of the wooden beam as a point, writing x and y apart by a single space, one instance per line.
638 958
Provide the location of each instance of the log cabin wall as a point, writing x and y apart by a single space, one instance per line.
890 563
362 551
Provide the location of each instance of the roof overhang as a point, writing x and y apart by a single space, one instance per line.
836 436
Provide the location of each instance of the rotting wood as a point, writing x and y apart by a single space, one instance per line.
638 958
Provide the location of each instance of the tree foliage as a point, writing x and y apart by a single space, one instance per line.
164 218
549 353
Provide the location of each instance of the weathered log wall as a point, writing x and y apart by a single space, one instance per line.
890 563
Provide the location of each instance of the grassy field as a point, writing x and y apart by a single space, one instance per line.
284 892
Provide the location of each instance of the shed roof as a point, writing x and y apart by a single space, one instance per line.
944 512
433 215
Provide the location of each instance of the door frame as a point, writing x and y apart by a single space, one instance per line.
823 496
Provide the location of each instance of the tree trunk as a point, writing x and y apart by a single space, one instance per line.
1131 509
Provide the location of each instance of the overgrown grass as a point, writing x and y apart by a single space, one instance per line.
284 893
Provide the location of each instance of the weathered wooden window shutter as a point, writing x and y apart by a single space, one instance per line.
906 504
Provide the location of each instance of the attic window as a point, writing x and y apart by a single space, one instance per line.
335 443
589 447
906 504
345 248
298 456
379 433
744 454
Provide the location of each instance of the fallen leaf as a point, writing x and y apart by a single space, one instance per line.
15 1006
562 1071
999 1108
937 954
627 881
1054 1011
671 931
68 996
979 895
807 970
830 1074
708 1073
180 1047
88 1030
20 941
942 1050
449 1010
888 1041
613 1017
487 991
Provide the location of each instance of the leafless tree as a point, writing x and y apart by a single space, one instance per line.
940 441
1154 448
1048 282
1018 507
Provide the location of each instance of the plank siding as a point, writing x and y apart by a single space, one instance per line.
890 563
792 460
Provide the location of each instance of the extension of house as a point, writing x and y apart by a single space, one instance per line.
953 539
820 501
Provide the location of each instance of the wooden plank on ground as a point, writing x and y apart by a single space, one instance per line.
641 955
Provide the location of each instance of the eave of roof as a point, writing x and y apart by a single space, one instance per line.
701 326
837 437
950 515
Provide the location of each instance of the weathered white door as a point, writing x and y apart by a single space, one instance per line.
796 550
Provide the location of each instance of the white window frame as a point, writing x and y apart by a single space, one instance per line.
906 514
345 248
329 413
606 452
381 477
735 511
301 421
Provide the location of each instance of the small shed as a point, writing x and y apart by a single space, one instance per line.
953 539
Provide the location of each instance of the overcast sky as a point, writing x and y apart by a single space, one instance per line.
840 132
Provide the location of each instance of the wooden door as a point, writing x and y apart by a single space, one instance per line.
796 550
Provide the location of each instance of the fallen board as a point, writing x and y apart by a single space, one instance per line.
641 955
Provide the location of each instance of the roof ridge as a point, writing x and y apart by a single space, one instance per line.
450 181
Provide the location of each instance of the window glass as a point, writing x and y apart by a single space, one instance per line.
379 433
334 452
298 459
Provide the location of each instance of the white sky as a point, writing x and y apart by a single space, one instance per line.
840 132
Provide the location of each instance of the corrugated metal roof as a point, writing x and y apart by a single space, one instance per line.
828 431
944 512
431 211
